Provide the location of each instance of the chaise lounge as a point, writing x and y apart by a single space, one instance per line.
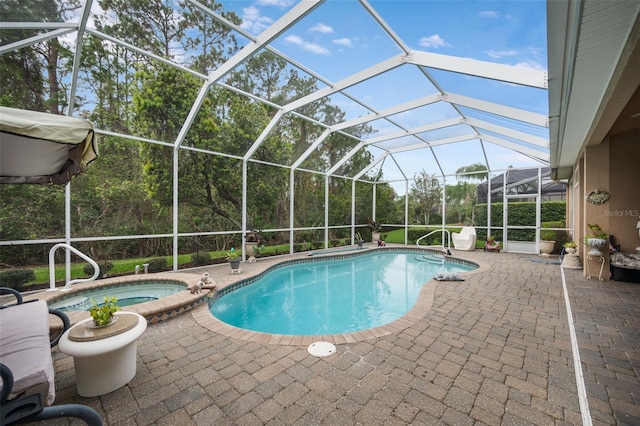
26 366
465 239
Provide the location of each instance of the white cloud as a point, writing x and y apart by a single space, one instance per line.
343 42
531 65
489 14
305 45
278 3
433 41
253 22
496 54
322 28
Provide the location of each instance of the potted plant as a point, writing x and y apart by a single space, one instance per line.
359 240
234 259
253 240
596 240
547 241
103 314
375 230
570 247
491 244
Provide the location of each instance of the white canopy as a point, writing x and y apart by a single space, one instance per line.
36 147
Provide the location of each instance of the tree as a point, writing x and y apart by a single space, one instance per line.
426 190
475 171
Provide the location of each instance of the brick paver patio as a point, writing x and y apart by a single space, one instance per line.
494 349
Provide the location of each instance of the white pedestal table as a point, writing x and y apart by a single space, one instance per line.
104 358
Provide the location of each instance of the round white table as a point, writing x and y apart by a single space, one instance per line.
103 364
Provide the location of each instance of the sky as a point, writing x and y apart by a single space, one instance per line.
339 39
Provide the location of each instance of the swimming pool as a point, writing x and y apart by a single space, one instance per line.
127 294
331 296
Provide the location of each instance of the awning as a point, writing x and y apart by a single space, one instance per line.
36 147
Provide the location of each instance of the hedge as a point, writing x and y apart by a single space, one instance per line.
520 214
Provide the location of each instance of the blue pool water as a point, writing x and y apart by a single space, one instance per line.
127 294
333 296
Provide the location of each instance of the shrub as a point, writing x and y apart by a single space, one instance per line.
203 258
334 242
157 264
547 235
15 278
104 268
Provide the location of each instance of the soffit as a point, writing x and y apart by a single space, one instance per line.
598 81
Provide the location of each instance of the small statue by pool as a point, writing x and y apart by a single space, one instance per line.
196 288
205 282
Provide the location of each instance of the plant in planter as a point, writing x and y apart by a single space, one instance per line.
570 260
234 259
491 244
570 247
103 314
254 243
375 230
359 240
596 240
547 241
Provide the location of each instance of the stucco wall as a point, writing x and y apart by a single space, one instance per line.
623 209
596 176
613 166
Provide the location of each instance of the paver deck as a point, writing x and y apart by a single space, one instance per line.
493 349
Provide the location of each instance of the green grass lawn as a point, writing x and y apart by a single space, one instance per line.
127 266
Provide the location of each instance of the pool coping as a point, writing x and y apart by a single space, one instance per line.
423 304
154 311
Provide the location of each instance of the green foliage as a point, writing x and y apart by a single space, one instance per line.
426 192
547 235
520 214
16 278
105 267
157 264
597 231
201 258
232 254
102 314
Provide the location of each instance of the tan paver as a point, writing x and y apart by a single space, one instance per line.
493 349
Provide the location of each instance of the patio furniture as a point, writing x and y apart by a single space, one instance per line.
26 366
105 357
625 267
465 239
492 246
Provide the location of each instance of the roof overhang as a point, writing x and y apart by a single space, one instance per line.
594 75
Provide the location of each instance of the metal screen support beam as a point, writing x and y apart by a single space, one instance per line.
488 204
508 73
529 152
505 131
36 39
86 9
374 201
498 109
175 210
326 211
538 210
292 195
353 211
505 218
406 211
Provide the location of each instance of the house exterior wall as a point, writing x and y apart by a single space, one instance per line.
624 207
596 176
612 166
